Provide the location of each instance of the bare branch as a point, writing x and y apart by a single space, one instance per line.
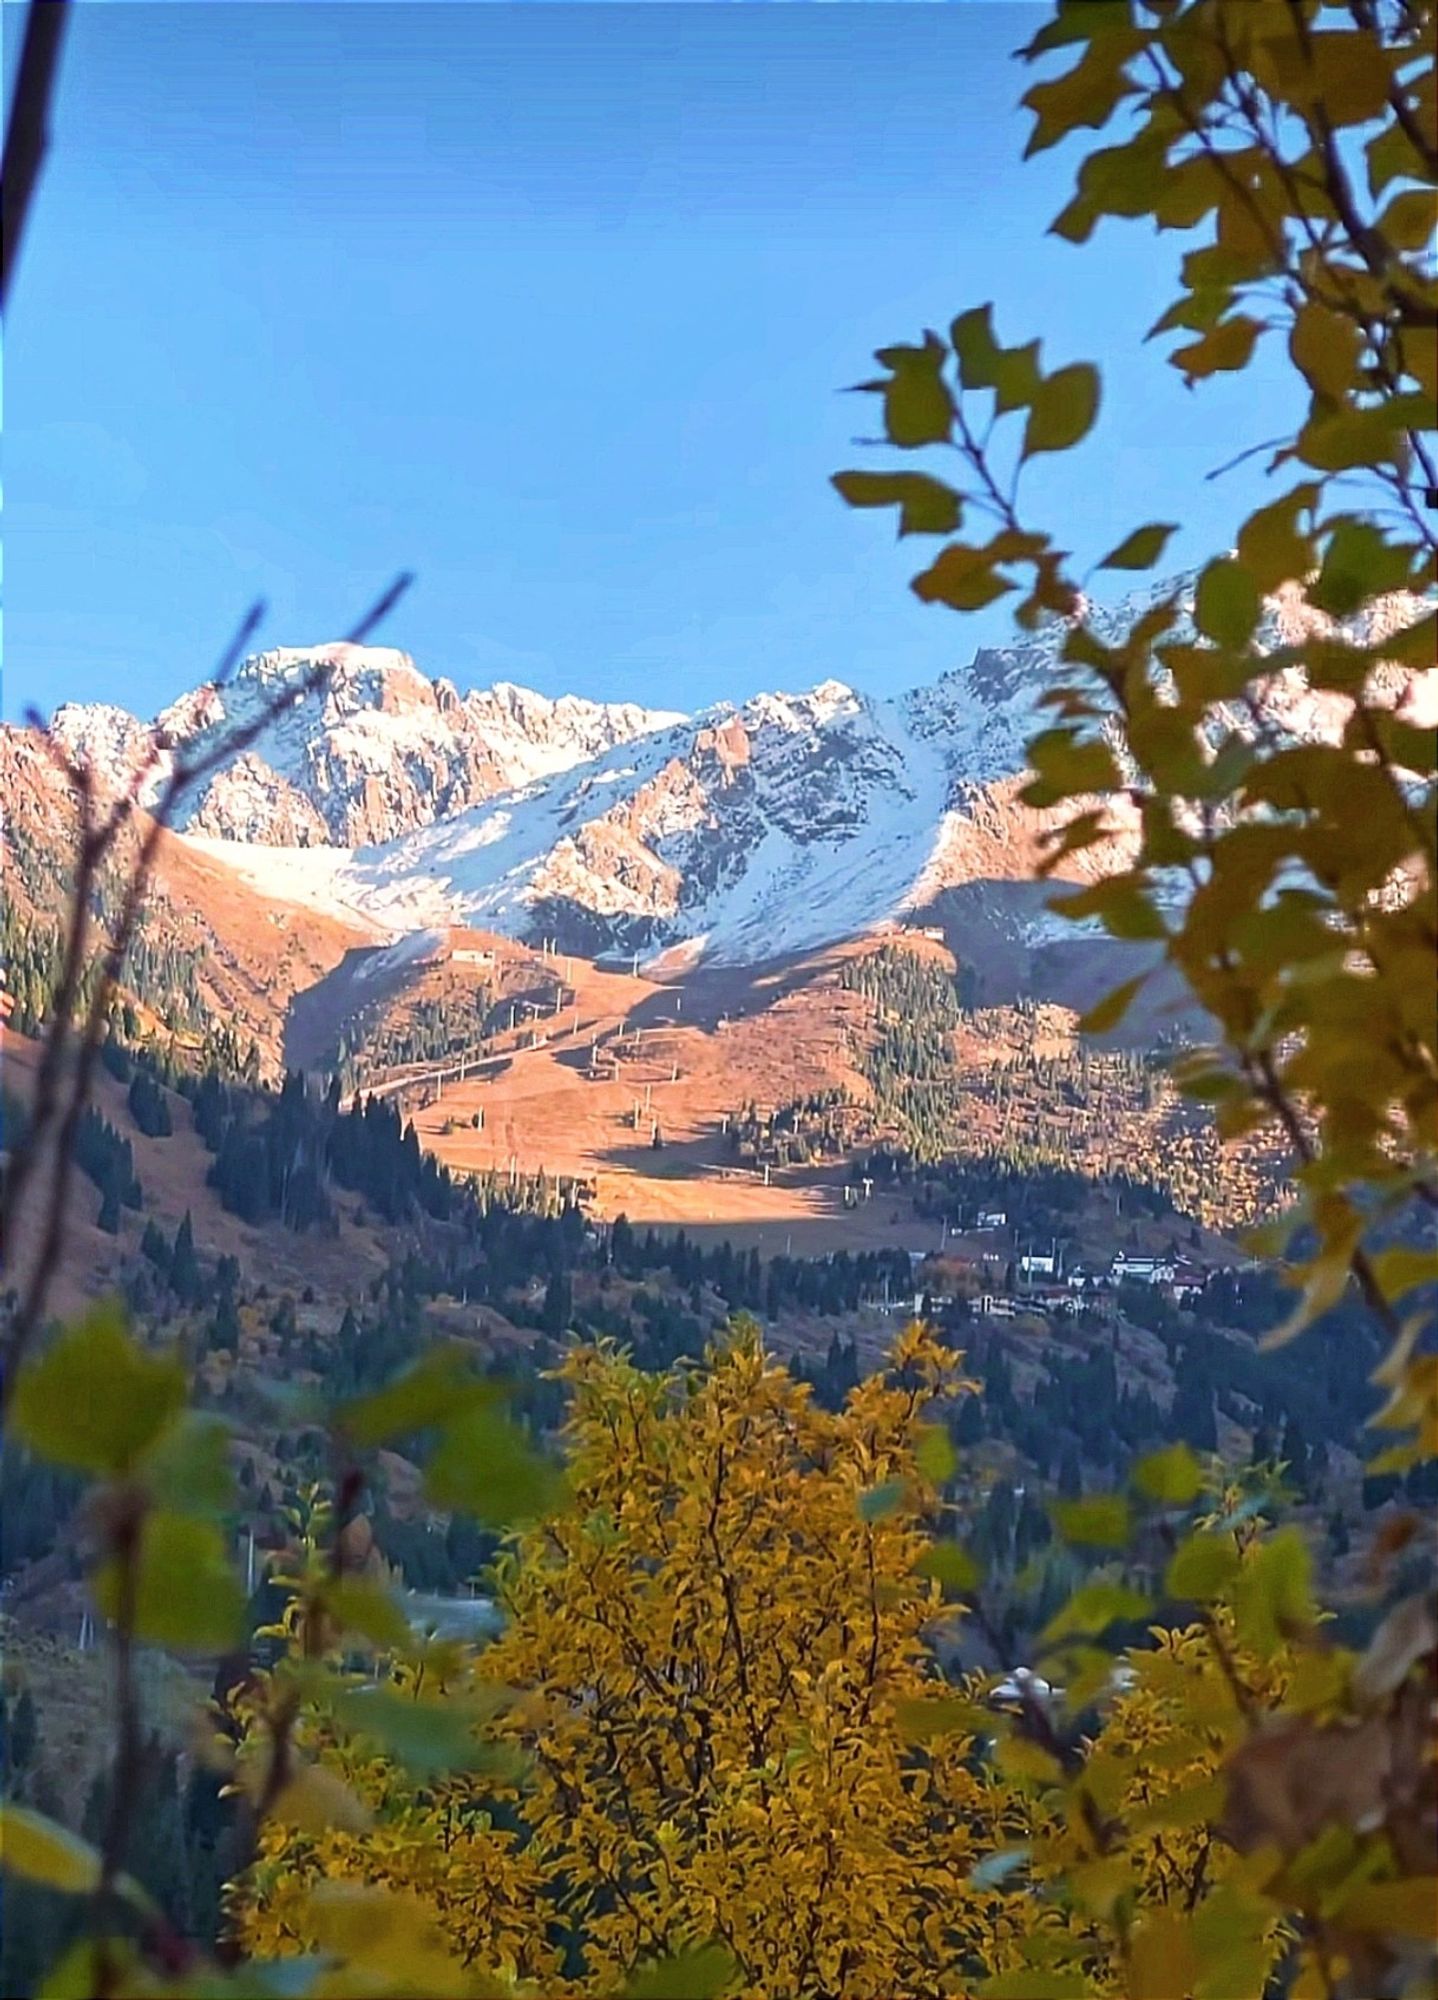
27 136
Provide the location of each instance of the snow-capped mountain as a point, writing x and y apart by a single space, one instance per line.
372 750
745 832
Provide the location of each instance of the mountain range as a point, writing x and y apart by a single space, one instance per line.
391 802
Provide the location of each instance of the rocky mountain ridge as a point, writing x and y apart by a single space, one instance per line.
779 824
374 750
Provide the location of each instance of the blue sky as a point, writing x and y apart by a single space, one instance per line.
552 305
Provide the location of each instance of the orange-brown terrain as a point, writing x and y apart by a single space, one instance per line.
249 953
638 1056
600 1062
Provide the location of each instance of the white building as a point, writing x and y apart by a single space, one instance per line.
1141 1270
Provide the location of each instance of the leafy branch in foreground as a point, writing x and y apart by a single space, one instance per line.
1256 770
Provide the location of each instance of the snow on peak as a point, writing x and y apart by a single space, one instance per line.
366 748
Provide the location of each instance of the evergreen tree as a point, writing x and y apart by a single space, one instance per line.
185 1280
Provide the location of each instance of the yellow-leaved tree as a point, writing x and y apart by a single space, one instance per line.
714 1660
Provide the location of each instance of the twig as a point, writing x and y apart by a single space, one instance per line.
27 135
59 1102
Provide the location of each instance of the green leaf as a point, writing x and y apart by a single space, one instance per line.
95 1399
1098 1521
1063 409
81 1972
44 1852
1077 21
1141 549
1119 904
1359 563
1067 765
1270 546
315 1799
1402 1909
1033 1983
1108 1012
425 1736
1372 436
692 1975
485 1466
926 506
1190 1805
1326 347
259 1979
1226 603
1094 1607
951 1566
390 1937
1017 379
1087 95
1392 156
1172 1476
918 409
187 1469
934 1453
186 1594
1272 1595
434 1390
975 348
1202 1568
1011 372
923 1718
964 577
370 1610
880 1501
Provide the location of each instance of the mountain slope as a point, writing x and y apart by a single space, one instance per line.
210 955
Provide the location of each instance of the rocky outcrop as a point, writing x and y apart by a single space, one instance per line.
366 748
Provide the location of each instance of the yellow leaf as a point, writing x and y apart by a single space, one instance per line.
1163 1962
314 1799
1326 347
44 1852
388 1933
1222 350
1270 546
1393 1909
